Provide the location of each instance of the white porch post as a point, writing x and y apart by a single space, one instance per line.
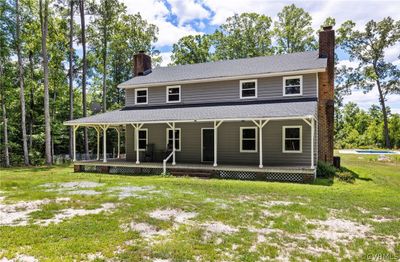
137 127
105 127
216 125
98 142
173 144
260 126
312 142
75 128
119 142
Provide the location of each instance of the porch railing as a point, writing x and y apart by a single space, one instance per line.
165 162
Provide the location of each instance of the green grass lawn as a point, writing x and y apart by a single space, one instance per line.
43 215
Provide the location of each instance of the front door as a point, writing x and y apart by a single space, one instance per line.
208 145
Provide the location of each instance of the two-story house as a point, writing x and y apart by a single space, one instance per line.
268 118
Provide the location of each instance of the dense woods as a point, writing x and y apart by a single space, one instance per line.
61 60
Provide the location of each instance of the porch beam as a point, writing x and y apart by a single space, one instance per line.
98 142
173 144
216 125
75 128
119 140
136 128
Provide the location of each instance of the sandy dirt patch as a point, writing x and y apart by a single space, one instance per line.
339 229
134 191
145 230
219 228
17 214
176 215
87 192
70 213
20 258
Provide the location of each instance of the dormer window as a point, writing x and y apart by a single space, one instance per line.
248 89
173 94
293 86
141 96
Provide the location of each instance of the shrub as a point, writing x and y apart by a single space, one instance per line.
345 176
325 170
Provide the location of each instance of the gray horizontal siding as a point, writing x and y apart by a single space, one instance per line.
228 143
224 91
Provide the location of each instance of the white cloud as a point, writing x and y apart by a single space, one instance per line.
156 12
166 58
188 10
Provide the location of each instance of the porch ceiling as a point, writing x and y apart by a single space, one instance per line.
283 110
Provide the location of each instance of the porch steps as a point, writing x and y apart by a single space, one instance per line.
200 173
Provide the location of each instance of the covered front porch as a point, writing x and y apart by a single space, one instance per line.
245 139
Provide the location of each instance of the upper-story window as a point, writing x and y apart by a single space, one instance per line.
141 96
291 139
173 94
293 86
248 89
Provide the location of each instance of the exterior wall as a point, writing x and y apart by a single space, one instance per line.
224 91
228 143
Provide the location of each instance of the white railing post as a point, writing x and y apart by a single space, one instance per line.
216 125
260 126
165 163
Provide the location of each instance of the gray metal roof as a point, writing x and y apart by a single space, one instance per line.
230 68
226 112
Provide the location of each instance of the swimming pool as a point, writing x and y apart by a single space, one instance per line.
369 151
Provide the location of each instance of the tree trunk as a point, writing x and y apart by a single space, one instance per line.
105 70
84 69
44 28
5 124
21 87
71 77
31 101
384 112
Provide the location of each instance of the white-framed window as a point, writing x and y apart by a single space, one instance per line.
178 136
248 89
248 139
173 94
141 96
143 138
293 86
292 139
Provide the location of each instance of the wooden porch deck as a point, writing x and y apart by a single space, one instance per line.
205 167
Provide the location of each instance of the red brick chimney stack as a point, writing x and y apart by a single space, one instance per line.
326 95
141 64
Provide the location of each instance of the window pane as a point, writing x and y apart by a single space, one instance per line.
249 133
173 97
248 93
248 145
292 90
142 144
248 85
292 132
142 134
293 82
177 145
292 145
141 93
142 99
173 90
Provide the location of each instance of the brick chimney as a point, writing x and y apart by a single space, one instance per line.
141 64
326 95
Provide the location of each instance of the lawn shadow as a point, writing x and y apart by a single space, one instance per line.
323 181
354 174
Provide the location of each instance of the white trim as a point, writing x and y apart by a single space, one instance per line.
241 139
167 94
284 138
147 138
201 143
180 138
193 121
147 96
292 77
241 82
224 78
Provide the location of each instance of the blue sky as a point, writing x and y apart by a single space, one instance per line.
177 18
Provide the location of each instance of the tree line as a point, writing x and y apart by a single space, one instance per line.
63 59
